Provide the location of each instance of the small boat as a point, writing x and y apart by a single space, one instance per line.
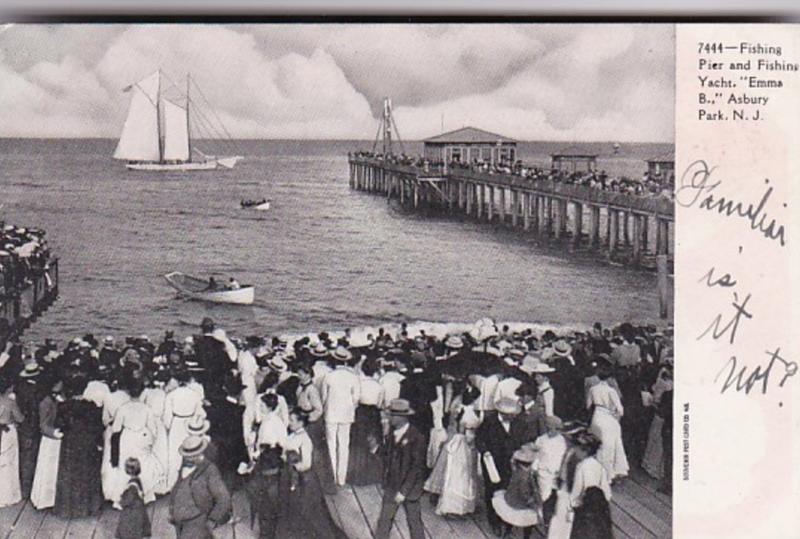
195 288
260 205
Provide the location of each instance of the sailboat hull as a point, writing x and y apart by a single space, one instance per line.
173 167
228 162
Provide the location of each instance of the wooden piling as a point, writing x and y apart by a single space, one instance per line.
526 210
594 230
577 231
663 286
502 203
514 207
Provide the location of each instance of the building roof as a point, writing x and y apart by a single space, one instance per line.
471 135
663 158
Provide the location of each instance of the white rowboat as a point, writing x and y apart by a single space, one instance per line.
195 288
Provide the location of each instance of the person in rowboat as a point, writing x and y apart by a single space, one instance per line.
212 284
233 284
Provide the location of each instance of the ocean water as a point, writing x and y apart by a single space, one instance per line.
324 257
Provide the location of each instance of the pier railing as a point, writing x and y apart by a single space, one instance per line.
22 304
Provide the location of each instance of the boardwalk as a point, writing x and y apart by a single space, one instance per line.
638 512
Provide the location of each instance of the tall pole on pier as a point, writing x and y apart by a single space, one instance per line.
387 126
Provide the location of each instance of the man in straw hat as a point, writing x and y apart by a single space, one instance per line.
341 391
550 448
199 501
404 472
495 447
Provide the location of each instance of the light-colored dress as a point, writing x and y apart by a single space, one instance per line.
653 460
455 474
605 425
43 491
137 424
180 406
10 415
111 476
155 398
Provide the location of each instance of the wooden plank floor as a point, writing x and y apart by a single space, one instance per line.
638 512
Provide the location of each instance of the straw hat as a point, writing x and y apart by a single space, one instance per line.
198 426
31 369
400 407
524 454
542 368
529 364
320 350
193 446
508 406
342 354
277 363
562 348
454 341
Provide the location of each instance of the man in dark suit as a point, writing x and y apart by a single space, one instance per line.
213 359
404 472
529 424
494 437
419 389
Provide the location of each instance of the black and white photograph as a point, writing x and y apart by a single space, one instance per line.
360 280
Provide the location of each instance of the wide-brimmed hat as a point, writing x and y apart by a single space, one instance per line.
30 370
400 407
529 363
320 350
454 341
524 454
562 348
109 340
193 446
342 354
198 426
542 368
277 363
508 406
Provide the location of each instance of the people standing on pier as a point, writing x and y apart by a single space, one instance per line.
43 491
607 411
341 391
180 406
10 417
79 490
199 501
133 523
364 467
404 472
29 393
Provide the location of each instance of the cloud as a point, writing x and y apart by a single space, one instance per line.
563 82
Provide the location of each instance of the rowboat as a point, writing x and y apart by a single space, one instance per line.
195 288
260 205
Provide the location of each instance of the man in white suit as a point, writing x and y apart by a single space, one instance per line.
341 391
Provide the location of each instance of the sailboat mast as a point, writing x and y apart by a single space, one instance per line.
188 130
158 120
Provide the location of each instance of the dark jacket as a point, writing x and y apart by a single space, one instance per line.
492 437
208 492
133 520
404 464
528 426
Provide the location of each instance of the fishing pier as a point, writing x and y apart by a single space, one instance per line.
628 228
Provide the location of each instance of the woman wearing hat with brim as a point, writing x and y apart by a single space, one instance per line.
43 492
519 505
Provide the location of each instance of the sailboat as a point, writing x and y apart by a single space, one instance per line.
157 134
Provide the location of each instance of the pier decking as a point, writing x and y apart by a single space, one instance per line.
630 229
637 510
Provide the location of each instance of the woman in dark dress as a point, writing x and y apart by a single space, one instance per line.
365 464
307 515
78 489
591 493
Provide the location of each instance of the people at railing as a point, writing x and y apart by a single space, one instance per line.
660 185
24 255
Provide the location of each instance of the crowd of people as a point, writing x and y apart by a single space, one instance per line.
533 427
24 254
661 185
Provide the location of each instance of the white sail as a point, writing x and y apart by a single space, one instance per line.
176 132
140 140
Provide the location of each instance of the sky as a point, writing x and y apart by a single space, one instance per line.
563 82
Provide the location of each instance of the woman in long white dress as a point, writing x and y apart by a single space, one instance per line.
455 474
136 423
10 416
43 491
607 406
155 397
111 475
180 406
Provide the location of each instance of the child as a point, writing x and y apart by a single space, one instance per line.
520 505
133 520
